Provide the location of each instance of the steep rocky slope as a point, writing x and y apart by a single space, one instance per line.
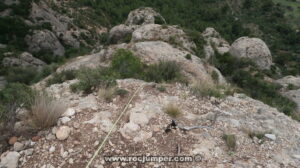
142 130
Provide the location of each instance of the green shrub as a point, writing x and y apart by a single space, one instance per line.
158 20
13 30
215 76
28 75
164 71
121 92
91 79
104 38
262 90
197 38
292 87
72 52
127 38
61 77
244 74
161 88
126 64
21 75
13 96
188 56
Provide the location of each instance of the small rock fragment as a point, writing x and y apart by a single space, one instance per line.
18 146
69 112
10 160
271 136
63 133
12 140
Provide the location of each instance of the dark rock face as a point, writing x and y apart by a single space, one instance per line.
24 60
44 40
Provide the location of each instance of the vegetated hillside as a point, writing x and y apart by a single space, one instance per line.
232 18
292 10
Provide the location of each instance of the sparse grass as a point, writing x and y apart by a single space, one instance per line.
45 111
107 94
230 140
172 110
204 89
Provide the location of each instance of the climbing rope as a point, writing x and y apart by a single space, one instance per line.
113 127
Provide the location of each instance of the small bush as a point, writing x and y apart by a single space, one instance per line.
121 92
259 135
188 56
126 64
197 38
90 79
28 75
45 111
161 88
104 38
107 93
204 89
61 77
158 20
13 96
215 76
172 110
292 87
230 141
164 71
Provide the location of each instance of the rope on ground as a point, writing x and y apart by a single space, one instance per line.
113 127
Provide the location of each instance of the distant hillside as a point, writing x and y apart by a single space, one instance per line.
292 10
232 18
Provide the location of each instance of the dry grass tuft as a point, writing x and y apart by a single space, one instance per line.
204 89
107 93
172 110
230 140
45 111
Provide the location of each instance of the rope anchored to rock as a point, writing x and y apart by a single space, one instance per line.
113 127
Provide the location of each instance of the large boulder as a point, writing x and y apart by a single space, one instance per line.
214 41
142 16
44 40
170 34
292 80
152 52
24 60
92 61
254 49
10 160
121 33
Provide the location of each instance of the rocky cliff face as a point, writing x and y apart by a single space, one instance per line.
235 131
